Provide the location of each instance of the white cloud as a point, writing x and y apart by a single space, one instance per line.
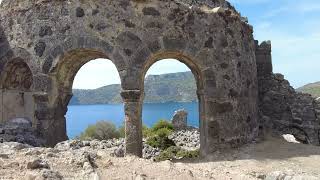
95 74
167 66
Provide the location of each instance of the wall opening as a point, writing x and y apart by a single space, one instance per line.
96 97
17 76
16 99
170 93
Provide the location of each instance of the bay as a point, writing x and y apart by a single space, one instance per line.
79 117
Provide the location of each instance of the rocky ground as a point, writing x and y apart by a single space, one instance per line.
273 159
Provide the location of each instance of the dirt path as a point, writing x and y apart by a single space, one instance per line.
255 161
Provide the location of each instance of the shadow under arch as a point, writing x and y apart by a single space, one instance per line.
197 73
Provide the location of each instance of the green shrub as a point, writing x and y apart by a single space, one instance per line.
102 130
160 139
146 132
167 154
188 154
174 152
122 131
162 124
89 133
158 135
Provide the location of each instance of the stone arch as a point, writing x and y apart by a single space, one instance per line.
61 65
17 84
17 70
17 76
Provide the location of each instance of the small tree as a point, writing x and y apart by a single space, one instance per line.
162 124
102 130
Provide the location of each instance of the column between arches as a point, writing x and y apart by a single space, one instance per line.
133 123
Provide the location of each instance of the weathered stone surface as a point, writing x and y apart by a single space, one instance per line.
45 31
179 119
133 35
38 164
282 110
20 130
39 48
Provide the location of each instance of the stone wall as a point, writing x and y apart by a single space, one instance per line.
55 38
281 109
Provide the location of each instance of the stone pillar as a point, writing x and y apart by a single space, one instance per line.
202 124
133 122
264 58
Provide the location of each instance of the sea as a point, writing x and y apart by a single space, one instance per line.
79 117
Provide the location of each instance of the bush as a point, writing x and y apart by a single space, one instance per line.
175 152
160 139
162 124
122 131
146 132
102 130
167 154
188 154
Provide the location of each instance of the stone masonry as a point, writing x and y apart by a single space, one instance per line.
282 109
43 43
180 119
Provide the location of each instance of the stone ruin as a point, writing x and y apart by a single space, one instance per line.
179 120
282 109
44 43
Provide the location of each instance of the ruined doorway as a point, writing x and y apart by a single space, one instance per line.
63 73
96 97
172 95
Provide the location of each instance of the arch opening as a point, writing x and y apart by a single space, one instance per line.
86 88
172 92
96 97
16 97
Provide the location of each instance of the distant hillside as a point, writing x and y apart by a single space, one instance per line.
312 88
174 87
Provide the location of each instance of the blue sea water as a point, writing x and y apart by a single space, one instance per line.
80 116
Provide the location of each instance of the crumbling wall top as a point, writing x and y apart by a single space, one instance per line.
8 5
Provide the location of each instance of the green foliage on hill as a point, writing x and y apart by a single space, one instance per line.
174 87
312 88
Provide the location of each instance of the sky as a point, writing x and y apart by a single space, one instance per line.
293 26
101 72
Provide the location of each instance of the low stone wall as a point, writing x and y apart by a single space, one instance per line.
20 130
